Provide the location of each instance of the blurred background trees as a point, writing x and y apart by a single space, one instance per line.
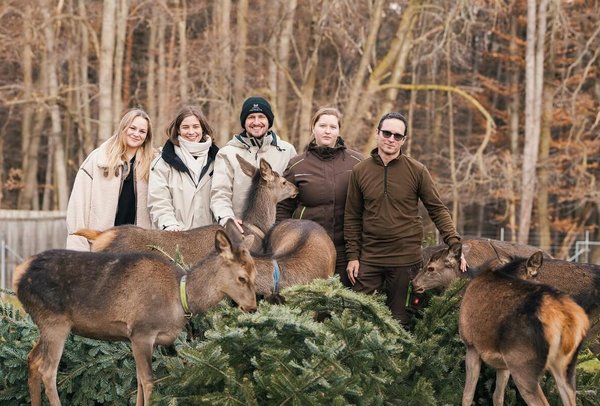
460 70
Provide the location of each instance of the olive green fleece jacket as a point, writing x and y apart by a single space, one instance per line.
382 226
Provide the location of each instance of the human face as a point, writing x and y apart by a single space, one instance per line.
136 133
326 130
256 125
190 129
389 147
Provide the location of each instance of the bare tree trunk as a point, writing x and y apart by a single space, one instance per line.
25 195
160 123
84 110
514 109
351 108
151 100
58 153
122 15
183 58
128 62
283 56
543 192
105 76
534 83
451 140
224 73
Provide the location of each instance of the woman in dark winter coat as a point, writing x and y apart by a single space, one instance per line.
321 175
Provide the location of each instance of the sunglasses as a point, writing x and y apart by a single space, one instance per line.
388 134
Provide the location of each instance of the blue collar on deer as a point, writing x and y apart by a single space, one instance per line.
183 296
276 277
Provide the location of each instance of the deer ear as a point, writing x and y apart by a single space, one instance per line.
223 245
246 166
534 263
266 172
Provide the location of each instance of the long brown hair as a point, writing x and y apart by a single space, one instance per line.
117 146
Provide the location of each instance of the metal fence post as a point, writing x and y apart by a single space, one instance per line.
3 264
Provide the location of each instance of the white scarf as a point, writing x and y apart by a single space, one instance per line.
187 151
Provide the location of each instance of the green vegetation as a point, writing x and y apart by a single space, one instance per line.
326 345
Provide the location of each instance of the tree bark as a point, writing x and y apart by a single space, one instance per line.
105 76
183 52
534 60
283 56
543 193
58 152
122 16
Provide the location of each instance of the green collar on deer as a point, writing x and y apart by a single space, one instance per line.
183 296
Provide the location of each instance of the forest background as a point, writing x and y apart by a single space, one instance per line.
502 97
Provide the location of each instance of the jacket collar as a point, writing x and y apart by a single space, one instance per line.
170 157
242 140
326 153
378 159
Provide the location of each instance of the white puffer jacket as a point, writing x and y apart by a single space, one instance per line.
94 199
230 185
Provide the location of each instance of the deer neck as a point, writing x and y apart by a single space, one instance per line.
262 213
203 289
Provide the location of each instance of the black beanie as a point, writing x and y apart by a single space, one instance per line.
256 104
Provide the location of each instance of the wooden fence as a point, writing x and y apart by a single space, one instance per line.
24 233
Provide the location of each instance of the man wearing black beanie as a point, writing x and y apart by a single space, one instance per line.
230 185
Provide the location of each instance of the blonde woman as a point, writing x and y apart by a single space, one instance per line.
111 186
321 175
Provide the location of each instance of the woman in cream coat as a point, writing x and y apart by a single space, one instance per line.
111 186
181 177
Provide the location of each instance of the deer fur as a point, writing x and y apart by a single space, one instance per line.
122 297
521 329
268 188
303 247
441 263
580 280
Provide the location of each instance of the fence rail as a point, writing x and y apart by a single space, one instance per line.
24 233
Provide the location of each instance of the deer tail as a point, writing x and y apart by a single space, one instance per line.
88 233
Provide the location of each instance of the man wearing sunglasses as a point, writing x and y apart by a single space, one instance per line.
382 226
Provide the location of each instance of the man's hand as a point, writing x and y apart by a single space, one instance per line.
352 269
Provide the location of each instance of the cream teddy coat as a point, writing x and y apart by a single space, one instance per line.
94 199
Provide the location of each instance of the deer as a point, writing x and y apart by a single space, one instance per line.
268 188
579 280
441 263
141 297
521 329
303 247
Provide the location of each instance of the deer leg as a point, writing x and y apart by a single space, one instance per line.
502 376
472 365
52 344
34 379
529 387
566 386
142 353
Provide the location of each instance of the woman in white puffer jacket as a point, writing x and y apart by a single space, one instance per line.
181 177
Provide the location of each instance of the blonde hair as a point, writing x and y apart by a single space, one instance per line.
326 111
117 147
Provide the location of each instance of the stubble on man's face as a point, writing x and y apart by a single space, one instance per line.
389 146
256 125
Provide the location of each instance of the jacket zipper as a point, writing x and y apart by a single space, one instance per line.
385 174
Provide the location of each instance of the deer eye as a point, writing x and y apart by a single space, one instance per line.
242 280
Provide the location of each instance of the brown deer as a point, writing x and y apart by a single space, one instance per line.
441 263
521 329
268 188
580 280
303 247
123 297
